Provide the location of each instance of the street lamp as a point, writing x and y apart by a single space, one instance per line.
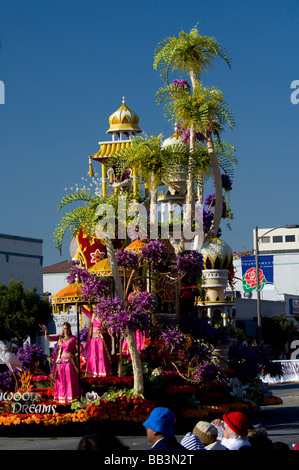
257 271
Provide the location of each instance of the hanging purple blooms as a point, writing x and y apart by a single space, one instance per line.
143 303
208 372
210 200
94 288
183 84
30 355
6 381
189 262
226 182
174 340
121 321
155 253
77 274
126 259
185 134
112 313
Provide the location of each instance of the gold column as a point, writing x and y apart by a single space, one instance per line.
104 181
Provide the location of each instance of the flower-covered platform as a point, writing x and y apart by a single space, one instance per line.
27 405
112 402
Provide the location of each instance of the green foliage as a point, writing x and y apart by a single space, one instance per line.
73 220
79 195
189 52
78 217
21 311
150 158
205 107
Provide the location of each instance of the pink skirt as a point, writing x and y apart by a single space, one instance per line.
139 338
66 388
99 360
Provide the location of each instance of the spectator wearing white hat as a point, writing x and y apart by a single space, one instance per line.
208 433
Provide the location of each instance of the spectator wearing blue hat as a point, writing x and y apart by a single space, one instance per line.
160 431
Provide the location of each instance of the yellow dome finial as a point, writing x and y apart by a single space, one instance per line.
124 120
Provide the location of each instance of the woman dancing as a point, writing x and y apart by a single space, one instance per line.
99 348
65 371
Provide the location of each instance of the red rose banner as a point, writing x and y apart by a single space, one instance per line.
249 278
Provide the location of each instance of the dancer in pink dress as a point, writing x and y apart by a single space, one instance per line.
140 336
98 349
65 371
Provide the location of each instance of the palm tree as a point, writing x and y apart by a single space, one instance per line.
85 217
207 108
153 161
192 54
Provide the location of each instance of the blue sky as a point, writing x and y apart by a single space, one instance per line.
66 64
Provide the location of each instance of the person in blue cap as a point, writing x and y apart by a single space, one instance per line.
160 431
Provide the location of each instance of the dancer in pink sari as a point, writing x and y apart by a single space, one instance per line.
140 336
98 349
65 371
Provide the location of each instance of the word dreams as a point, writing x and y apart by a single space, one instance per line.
24 403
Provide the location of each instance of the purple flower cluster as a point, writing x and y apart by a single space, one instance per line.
155 253
189 262
119 320
112 313
143 303
126 174
208 372
94 288
184 84
83 334
142 306
30 355
185 134
174 340
226 182
77 274
250 361
6 380
210 200
126 259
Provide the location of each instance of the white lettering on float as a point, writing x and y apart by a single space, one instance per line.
26 407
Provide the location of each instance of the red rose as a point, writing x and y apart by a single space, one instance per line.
250 277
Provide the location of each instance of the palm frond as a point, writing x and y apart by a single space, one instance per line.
189 52
79 195
73 220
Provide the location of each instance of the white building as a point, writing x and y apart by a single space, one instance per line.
21 260
54 277
277 240
281 248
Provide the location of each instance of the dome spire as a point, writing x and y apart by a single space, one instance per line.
124 121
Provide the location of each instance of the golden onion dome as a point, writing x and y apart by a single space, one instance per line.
124 120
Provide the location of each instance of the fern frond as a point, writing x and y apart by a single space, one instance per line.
73 220
80 195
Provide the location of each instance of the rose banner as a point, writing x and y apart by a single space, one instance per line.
266 277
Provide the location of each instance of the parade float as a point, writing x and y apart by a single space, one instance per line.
189 360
